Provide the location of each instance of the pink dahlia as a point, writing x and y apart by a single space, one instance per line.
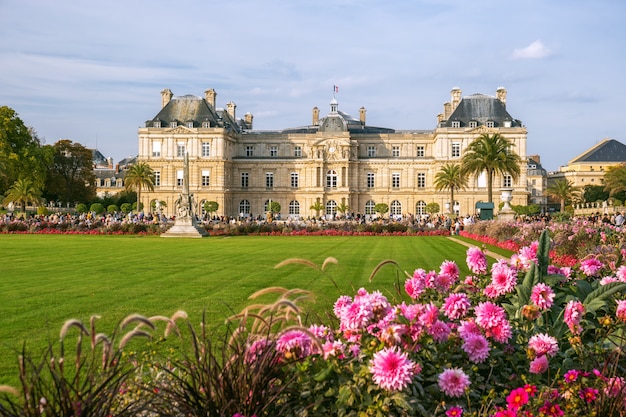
503 278
454 412
449 268
453 382
476 260
621 273
539 365
517 399
489 315
467 328
456 306
294 344
391 369
414 287
476 347
620 312
542 344
573 315
591 267
439 331
542 296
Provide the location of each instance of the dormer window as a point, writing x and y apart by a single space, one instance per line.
473 124
156 123
206 125
456 124
490 123
190 125
173 124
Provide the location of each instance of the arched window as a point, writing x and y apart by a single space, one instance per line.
331 179
244 207
201 206
294 208
369 207
331 208
395 209
420 208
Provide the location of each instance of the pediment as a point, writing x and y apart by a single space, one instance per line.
180 129
482 129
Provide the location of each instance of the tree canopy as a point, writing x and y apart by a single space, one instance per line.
71 177
139 177
492 154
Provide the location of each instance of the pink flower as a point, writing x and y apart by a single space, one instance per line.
590 267
414 287
621 273
439 331
571 375
588 394
330 348
294 344
542 344
503 278
456 306
453 382
454 412
476 347
573 315
542 296
489 315
476 260
467 328
449 268
620 312
391 369
516 399
539 365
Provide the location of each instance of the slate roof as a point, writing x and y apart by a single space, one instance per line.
481 109
190 108
354 125
608 150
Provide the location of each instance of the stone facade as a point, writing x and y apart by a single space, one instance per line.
337 159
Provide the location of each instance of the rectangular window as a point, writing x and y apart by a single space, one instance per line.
156 149
180 150
205 178
173 124
297 151
370 180
157 178
421 180
206 149
507 181
294 180
395 180
456 124
206 125
273 151
179 178
371 151
456 150
245 180
249 151
269 180
190 125
490 124
473 124
395 151
421 151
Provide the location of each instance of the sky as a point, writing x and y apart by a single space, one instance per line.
92 72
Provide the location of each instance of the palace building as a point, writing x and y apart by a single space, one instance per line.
334 162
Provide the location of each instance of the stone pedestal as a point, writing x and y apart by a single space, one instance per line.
506 213
185 228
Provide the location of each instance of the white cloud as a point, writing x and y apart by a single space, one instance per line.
535 50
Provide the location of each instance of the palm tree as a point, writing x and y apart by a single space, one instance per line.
23 191
450 177
138 177
563 190
343 208
491 154
317 207
615 179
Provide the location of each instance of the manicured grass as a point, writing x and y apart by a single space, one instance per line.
47 279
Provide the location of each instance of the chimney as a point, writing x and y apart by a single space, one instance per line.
447 110
501 94
248 119
166 96
456 97
230 108
440 118
316 116
209 96
362 115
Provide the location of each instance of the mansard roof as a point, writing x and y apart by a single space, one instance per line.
481 108
190 108
608 150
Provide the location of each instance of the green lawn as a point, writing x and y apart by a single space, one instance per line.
47 279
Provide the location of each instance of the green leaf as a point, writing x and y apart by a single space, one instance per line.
600 297
543 252
322 375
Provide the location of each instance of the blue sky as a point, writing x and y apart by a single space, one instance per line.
92 72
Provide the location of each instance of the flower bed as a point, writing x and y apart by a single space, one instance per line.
520 337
